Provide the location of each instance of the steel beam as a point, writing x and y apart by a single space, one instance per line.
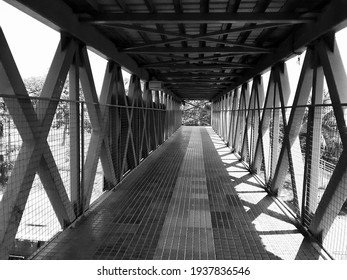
215 65
196 50
334 18
35 154
199 18
179 75
182 36
335 194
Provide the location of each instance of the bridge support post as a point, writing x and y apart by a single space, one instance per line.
335 194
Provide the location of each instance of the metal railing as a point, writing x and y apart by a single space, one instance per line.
313 161
132 133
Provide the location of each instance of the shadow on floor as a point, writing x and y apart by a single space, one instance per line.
249 210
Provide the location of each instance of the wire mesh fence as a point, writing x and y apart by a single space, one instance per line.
315 176
34 207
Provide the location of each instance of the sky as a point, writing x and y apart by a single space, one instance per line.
33 45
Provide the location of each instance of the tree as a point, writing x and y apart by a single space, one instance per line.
34 87
331 145
62 115
197 112
6 149
3 169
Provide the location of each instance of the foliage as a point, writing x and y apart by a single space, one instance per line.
331 145
4 165
34 87
197 112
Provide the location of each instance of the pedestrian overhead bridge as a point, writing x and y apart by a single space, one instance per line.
115 175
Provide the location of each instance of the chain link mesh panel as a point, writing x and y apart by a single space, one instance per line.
37 206
313 158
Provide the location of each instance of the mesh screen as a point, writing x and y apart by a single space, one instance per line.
322 163
316 167
32 204
10 143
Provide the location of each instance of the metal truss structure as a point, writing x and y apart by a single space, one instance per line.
267 132
199 50
124 130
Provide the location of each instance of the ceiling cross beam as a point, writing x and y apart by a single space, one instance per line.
213 64
202 81
195 50
333 19
198 18
180 37
197 38
179 75
192 59
210 34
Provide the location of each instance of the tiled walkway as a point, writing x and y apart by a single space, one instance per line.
191 199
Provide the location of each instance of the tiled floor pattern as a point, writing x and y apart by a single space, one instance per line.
191 199
247 223
127 224
187 229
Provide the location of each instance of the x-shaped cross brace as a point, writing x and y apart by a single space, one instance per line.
99 117
35 154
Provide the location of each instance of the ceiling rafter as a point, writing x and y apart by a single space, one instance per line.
142 33
196 38
260 7
197 43
332 19
168 64
94 4
289 6
197 50
200 70
181 27
195 92
200 18
151 8
181 36
204 9
187 94
201 81
190 87
122 5
180 75
177 82
195 86
182 90
201 67
200 37
232 7
178 58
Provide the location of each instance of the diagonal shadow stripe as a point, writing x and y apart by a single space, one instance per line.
234 234
237 231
